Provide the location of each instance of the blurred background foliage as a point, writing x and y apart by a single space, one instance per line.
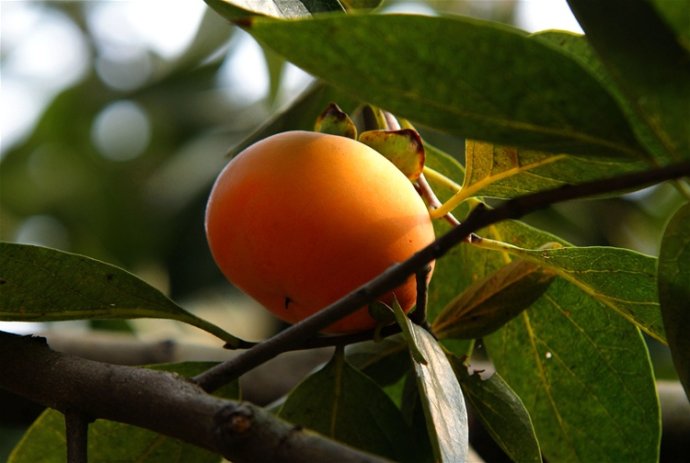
117 116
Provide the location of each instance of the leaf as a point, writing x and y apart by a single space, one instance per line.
42 284
409 334
236 10
674 290
450 73
579 49
507 172
404 148
342 403
335 121
648 63
493 301
384 361
675 12
110 441
501 412
442 401
622 280
584 375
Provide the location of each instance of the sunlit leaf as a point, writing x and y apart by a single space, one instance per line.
111 441
501 412
584 374
674 291
442 401
450 73
493 301
340 402
43 284
507 172
647 61
622 280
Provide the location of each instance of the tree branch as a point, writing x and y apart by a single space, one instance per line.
296 335
76 433
159 401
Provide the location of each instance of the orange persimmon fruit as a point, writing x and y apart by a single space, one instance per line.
300 219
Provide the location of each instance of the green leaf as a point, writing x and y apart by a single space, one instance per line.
340 402
110 441
442 401
493 301
450 73
404 148
507 172
675 12
622 280
584 375
236 10
674 290
410 334
43 284
385 361
648 63
501 412
580 50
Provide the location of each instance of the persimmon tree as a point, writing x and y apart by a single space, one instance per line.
547 118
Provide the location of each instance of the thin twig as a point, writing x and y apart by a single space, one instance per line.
396 275
336 340
422 280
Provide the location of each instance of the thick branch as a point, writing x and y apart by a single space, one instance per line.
159 401
294 336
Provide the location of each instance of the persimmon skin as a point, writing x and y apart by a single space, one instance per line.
300 219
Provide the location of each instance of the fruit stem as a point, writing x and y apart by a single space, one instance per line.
434 203
438 177
376 119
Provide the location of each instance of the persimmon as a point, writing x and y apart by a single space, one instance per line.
300 219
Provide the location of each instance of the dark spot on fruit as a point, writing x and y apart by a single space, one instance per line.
288 301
